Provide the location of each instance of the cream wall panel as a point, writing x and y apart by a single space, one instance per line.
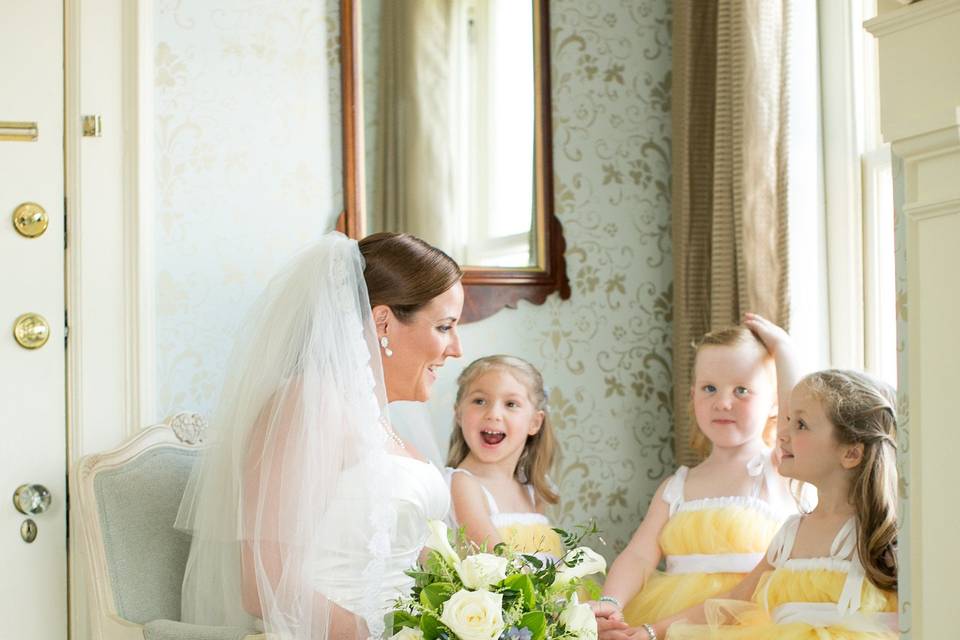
920 102
935 345
918 88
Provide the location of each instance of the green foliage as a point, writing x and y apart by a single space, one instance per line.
396 620
522 583
531 598
536 622
430 626
434 595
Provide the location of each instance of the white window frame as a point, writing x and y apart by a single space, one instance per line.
857 194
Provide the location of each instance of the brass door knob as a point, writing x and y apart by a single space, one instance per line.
31 499
31 331
30 220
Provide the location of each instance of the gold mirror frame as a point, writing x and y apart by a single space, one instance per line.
487 289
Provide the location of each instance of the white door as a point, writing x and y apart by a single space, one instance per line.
33 575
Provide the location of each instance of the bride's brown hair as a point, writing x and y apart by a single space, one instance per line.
404 272
864 411
540 449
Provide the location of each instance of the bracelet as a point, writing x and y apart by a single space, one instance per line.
612 601
650 632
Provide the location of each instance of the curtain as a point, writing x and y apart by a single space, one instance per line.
414 166
729 192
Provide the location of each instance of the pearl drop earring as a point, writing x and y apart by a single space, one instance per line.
385 343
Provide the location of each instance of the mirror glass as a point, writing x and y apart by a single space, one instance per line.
450 137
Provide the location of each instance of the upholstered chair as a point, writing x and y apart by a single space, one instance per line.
125 503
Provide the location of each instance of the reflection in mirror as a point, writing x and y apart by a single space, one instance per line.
450 133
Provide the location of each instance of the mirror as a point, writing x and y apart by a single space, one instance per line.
447 137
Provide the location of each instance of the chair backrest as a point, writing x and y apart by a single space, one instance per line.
126 503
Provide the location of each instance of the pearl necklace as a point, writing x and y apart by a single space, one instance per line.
391 433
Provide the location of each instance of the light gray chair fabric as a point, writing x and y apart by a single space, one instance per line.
170 630
146 556
124 503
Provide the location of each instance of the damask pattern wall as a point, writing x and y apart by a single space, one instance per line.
241 109
227 219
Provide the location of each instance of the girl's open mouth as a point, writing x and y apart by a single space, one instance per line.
492 437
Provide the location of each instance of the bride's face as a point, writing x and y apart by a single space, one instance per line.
421 346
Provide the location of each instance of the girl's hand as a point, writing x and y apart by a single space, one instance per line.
773 337
610 629
605 610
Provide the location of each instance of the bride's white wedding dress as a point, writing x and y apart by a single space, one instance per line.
301 503
419 494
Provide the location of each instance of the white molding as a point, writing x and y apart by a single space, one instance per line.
73 262
138 108
108 70
910 16
929 143
925 211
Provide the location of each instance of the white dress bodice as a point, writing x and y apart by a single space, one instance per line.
499 518
419 493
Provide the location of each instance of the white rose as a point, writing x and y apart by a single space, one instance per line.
579 620
474 615
590 562
407 633
481 570
439 542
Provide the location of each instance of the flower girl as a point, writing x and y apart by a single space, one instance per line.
501 450
712 523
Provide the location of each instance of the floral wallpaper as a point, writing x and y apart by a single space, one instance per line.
237 194
242 104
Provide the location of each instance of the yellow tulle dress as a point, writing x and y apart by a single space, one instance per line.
804 599
523 532
709 545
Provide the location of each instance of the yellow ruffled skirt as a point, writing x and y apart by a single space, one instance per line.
665 595
733 528
532 538
733 620
755 624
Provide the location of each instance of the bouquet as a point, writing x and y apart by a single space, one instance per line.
497 596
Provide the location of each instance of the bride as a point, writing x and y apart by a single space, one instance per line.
309 507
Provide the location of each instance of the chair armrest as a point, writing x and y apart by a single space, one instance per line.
172 630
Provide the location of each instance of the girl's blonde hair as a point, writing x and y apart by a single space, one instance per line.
732 336
863 411
540 450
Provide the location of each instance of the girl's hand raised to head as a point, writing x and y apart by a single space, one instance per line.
780 345
774 338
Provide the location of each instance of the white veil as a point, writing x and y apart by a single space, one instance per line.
298 423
